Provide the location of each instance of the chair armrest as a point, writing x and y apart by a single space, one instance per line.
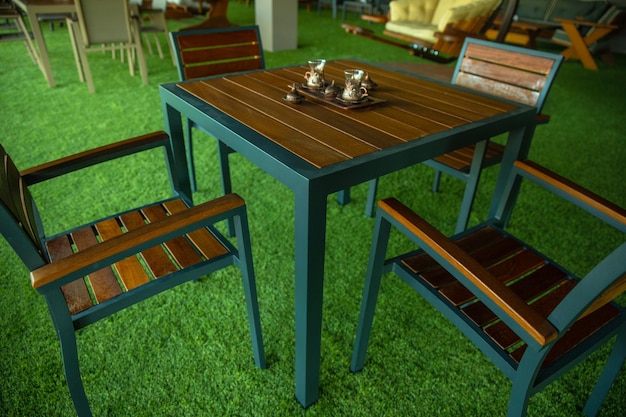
583 198
485 286
82 263
92 157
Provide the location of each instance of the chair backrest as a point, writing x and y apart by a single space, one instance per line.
510 72
19 219
104 21
208 52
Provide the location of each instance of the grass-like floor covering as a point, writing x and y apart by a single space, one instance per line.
187 352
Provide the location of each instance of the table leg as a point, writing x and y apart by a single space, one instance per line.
179 179
517 147
310 236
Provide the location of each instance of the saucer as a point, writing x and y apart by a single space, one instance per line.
343 100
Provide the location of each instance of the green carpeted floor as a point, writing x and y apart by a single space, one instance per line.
187 352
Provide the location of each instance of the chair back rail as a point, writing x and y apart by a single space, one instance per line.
513 73
104 22
203 53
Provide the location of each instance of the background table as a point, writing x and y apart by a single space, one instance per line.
316 149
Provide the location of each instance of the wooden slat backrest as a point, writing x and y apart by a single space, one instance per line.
203 53
18 200
504 71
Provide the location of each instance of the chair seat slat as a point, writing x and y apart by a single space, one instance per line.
506 338
182 251
103 282
75 293
528 288
156 259
506 271
204 241
130 271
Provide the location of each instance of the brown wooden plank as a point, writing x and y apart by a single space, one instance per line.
75 293
156 258
103 282
294 141
486 256
512 268
399 128
581 330
204 240
180 249
424 262
493 87
129 270
528 288
506 75
537 64
506 338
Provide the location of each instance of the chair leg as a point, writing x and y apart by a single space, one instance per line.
611 370
371 198
223 150
190 161
436 181
471 186
82 56
373 277
69 352
245 263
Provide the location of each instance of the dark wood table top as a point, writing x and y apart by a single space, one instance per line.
324 134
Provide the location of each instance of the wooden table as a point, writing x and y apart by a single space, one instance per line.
316 149
32 8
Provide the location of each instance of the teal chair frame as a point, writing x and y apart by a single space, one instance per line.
546 327
507 72
58 274
235 57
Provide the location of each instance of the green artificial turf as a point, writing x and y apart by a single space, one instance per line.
187 352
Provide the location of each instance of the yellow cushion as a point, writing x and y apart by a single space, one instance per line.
412 10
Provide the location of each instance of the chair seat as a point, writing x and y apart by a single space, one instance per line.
461 159
135 271
530 275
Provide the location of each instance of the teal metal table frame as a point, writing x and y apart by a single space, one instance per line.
312 185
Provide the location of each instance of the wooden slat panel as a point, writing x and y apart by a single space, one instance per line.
75 293
221 68
239 52
511 92
540 65
204 240
482 237
506 75
528 288
486 256
506 271
216 39
580 331
181 250
130 270
286 136
155 258
103 282
506 338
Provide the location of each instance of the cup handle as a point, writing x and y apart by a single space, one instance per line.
363 91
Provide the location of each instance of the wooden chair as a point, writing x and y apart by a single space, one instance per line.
105 26
207 52
152 21
506 71
97 269
13 19
527 314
